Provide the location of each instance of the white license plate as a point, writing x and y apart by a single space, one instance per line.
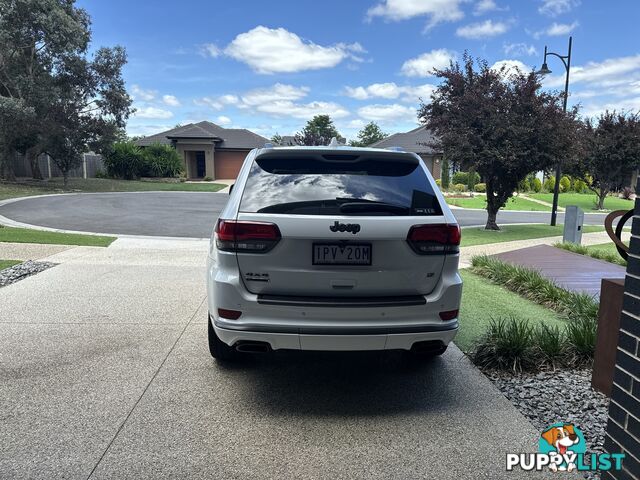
342 254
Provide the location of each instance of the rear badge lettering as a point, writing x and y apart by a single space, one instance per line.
345 227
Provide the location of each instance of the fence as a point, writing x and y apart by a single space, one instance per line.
90 166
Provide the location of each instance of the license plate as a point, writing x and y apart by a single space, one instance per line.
342 254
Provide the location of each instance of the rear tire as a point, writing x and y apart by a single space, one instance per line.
218 349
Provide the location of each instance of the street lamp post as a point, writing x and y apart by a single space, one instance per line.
544 70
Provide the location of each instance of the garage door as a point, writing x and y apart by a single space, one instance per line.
227 164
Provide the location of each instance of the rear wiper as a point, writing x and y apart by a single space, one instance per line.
371 206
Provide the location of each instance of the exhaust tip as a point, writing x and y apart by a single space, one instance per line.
253 347
428 346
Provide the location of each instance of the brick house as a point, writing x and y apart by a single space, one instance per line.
207 149
417 141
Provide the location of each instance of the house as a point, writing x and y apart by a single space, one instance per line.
417 141
208 150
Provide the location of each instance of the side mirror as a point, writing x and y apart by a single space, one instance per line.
231 189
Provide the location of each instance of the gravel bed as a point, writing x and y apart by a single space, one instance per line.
558 396
22 270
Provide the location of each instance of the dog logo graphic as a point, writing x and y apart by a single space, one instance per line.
563 441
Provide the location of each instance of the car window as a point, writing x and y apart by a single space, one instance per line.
338 185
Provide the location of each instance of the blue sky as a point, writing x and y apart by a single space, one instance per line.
270 66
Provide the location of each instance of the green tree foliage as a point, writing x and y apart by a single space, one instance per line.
565 184
611 150
160 161
499 122
124 160
318 131
276 139
67 101
370 134
446 173
549 183
460 177
536 185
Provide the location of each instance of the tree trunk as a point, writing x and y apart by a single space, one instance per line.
32 157
602 194
6 170
65 179
491 220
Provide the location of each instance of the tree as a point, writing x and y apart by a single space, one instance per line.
369 135
276 139
500 123
611 151
73 103
318 131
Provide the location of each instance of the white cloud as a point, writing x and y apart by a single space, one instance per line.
485 29
554 8
519 49
594 109
223 120
557 29
511 66
484 6
438 11
423 65
152 112
228 99
171 100
210 50
269 50
286 108
608 73
139 93
210 102
391 90
387 113
278 92
133 129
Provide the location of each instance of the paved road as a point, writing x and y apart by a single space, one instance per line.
105 374
175 214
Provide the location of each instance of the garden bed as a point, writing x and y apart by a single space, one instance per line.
21 271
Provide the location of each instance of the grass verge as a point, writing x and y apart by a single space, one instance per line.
482 301
8 263
605 251
27 235
480 202
508 233
586 201
54 185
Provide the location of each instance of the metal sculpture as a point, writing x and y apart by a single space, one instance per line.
616 235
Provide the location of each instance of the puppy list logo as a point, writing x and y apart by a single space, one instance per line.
562 448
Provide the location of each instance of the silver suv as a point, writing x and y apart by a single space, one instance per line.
333 248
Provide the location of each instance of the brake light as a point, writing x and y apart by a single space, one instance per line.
434 239
229 314
250 237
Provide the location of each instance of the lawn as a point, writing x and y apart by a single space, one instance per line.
480 202
586 201
27 235
482 301
8 263
480 236
13 190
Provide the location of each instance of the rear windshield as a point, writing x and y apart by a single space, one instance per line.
338 185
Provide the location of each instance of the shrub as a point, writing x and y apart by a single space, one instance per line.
579 186
480 187
161 161
536 185
460 177
446 174
524 186
439 183
473 178
565 184
550 342
123 160
508 344
550 183
207 178
581 338
460 187
627 192
599 254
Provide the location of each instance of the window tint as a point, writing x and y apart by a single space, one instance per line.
338 185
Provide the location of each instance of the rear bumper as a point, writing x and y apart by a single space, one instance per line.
336 339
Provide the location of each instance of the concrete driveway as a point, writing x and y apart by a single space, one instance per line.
175 214
105 373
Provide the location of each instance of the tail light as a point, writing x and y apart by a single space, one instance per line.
249 237
449 315
230 314
434 239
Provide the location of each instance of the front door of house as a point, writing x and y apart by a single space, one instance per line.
200 165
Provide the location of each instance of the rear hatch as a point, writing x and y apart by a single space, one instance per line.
352 225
